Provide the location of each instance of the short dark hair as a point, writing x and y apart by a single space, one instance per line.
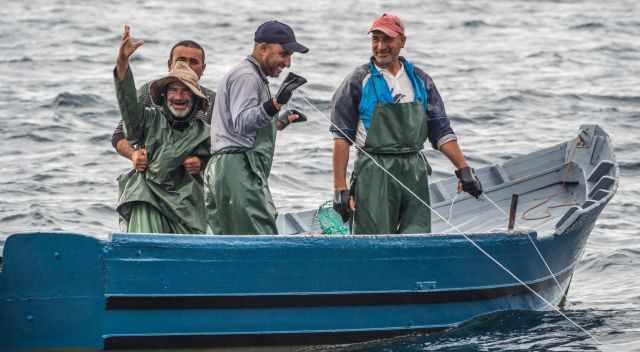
188 44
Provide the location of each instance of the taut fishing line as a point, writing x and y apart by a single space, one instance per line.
462 233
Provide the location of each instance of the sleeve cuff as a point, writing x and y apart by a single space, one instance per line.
269 108
446 139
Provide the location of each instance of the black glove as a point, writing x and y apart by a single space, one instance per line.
341 204
470 182
284 117
301 117
291 83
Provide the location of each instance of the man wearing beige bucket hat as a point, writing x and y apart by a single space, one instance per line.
165 198
193 54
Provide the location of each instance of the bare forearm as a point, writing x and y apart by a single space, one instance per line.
453 152
340 162
124 148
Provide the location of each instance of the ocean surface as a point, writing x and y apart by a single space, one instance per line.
516 76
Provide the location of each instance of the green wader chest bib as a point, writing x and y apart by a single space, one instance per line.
165 198
395 140
237 196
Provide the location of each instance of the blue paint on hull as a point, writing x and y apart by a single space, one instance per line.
61 290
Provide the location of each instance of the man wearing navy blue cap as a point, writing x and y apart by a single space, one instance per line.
237 196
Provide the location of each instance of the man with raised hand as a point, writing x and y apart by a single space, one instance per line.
238 200
193 54
166 197
389 108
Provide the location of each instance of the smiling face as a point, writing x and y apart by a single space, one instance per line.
385 49
273 58
179 99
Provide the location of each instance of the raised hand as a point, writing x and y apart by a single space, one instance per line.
128 46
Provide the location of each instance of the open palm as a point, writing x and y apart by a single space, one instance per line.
128 45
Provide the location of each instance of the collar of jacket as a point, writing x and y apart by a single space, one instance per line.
255 62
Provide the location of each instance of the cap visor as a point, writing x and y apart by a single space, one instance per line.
295 47
386 31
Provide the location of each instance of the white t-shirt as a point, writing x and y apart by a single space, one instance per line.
401 91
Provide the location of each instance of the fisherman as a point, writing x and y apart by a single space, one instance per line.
237 196
389 108
193 54
165 198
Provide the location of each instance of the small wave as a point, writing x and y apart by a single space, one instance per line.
475 23
103 138
41 177
544 53
616 49
13 217
510 99
617 98
67 99
32 137
320 87
102 208
629 165
588 25
97 43
15 61
457 119
626 257
221 25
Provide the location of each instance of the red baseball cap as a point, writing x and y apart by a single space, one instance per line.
388 24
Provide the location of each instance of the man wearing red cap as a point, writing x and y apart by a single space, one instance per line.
389 108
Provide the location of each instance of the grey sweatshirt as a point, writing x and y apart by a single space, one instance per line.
239 110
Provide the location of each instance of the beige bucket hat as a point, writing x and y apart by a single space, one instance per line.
183 73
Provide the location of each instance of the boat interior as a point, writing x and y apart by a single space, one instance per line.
550 184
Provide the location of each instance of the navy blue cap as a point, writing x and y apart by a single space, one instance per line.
279 33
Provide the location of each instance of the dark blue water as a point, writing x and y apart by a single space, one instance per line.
515 76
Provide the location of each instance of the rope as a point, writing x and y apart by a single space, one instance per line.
462 233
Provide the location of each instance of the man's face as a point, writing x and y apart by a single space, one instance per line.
386 49
179 99
192 56
275 58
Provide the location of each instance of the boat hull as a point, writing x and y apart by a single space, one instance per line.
203 291
134 291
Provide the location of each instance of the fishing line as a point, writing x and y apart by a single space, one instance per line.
462 233
532 243
453 201
563 181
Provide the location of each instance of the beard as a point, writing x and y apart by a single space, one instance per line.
182 113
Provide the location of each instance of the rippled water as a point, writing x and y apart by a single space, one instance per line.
515 76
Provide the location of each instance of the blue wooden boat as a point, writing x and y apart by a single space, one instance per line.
63 290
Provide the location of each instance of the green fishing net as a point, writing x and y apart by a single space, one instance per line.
330 222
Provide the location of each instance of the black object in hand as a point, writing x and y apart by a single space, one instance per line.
341 204
291 83
470 182
301 117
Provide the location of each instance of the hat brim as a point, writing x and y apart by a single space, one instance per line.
157 87
295 47
386 31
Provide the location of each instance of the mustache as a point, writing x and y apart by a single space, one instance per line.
180 101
